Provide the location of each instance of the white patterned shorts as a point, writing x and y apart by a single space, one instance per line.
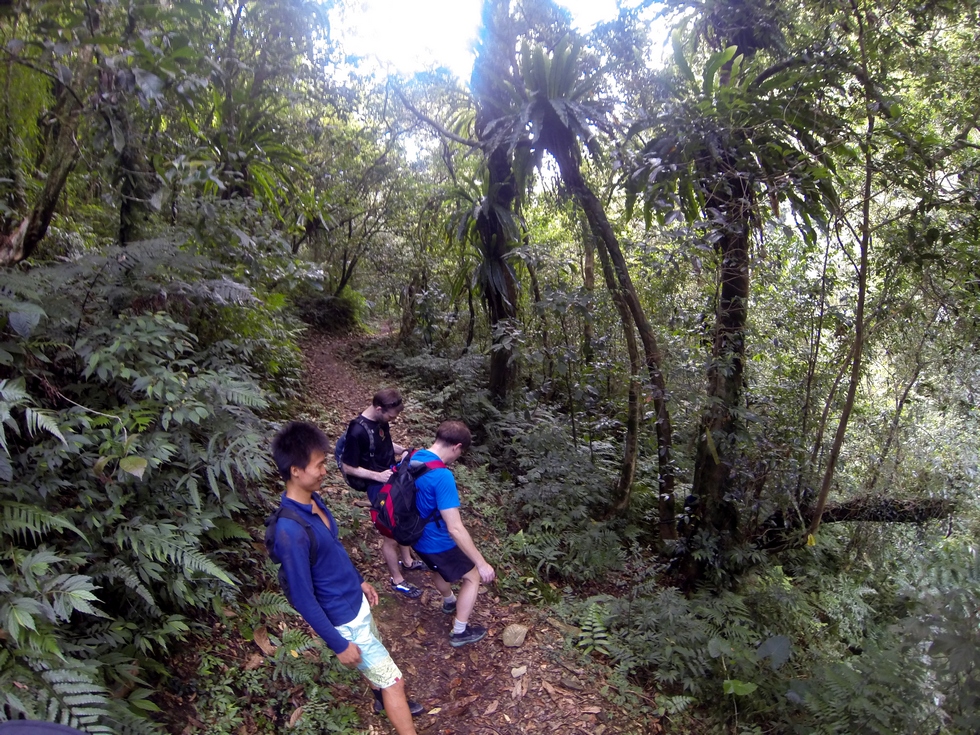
376 663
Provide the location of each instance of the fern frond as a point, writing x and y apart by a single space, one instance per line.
14 391
21 519
162 548
224 291
117 570
72 697
226 529
38 421
268 603
243 394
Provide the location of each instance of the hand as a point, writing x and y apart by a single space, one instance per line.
370 593
350 656
487 574
383 475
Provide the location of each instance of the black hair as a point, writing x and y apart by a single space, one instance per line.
294 445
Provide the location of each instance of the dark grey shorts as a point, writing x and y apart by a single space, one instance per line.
451 565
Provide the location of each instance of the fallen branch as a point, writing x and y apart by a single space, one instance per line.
880 509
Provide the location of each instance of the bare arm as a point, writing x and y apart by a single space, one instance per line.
366 473
454 524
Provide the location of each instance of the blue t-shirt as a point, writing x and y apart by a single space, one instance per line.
328 592
435 490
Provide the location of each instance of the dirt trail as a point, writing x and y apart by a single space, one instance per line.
479 689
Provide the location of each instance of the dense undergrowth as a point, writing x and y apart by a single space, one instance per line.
873 630
137 387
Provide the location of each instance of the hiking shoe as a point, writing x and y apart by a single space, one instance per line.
407 588
414 707
449 607
415 566
472 634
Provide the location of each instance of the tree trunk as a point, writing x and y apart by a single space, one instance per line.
547 367
780 534
865 246
627 469
717 445
878 509
20 244
588 282
562 146
492 64
408 321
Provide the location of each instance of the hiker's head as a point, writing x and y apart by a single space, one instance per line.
388 402
454 434
295 445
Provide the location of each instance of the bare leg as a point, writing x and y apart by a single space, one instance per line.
406 552
396 707
389 550
469 586
442 585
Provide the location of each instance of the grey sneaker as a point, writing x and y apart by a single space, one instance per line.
472 634
449 607
414 707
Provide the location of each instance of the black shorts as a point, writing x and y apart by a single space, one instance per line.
451 564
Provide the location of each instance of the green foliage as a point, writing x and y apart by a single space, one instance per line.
331 314
130 442
595 634
298 681
559 491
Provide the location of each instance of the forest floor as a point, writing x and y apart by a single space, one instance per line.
542 686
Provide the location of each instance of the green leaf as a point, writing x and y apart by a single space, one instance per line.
24 323
135 466
38 420
738 688
100 465
717 61
777 649
682 65
118 136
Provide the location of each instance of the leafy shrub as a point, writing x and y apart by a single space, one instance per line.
916 674
330 314
129 446
560 491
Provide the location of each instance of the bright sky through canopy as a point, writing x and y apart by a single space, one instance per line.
406 36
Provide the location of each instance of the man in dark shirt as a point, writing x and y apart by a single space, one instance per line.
373 469
329 592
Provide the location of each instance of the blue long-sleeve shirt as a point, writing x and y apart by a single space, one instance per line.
328 591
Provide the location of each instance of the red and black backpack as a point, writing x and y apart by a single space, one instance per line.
395 510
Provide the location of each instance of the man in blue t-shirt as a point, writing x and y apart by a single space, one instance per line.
446 546
329 592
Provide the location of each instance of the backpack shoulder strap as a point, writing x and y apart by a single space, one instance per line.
419 468
285 511
359 419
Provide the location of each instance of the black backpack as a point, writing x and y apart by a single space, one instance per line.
358 483
284 511
395 509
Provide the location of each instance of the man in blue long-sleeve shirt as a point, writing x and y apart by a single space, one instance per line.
328 591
